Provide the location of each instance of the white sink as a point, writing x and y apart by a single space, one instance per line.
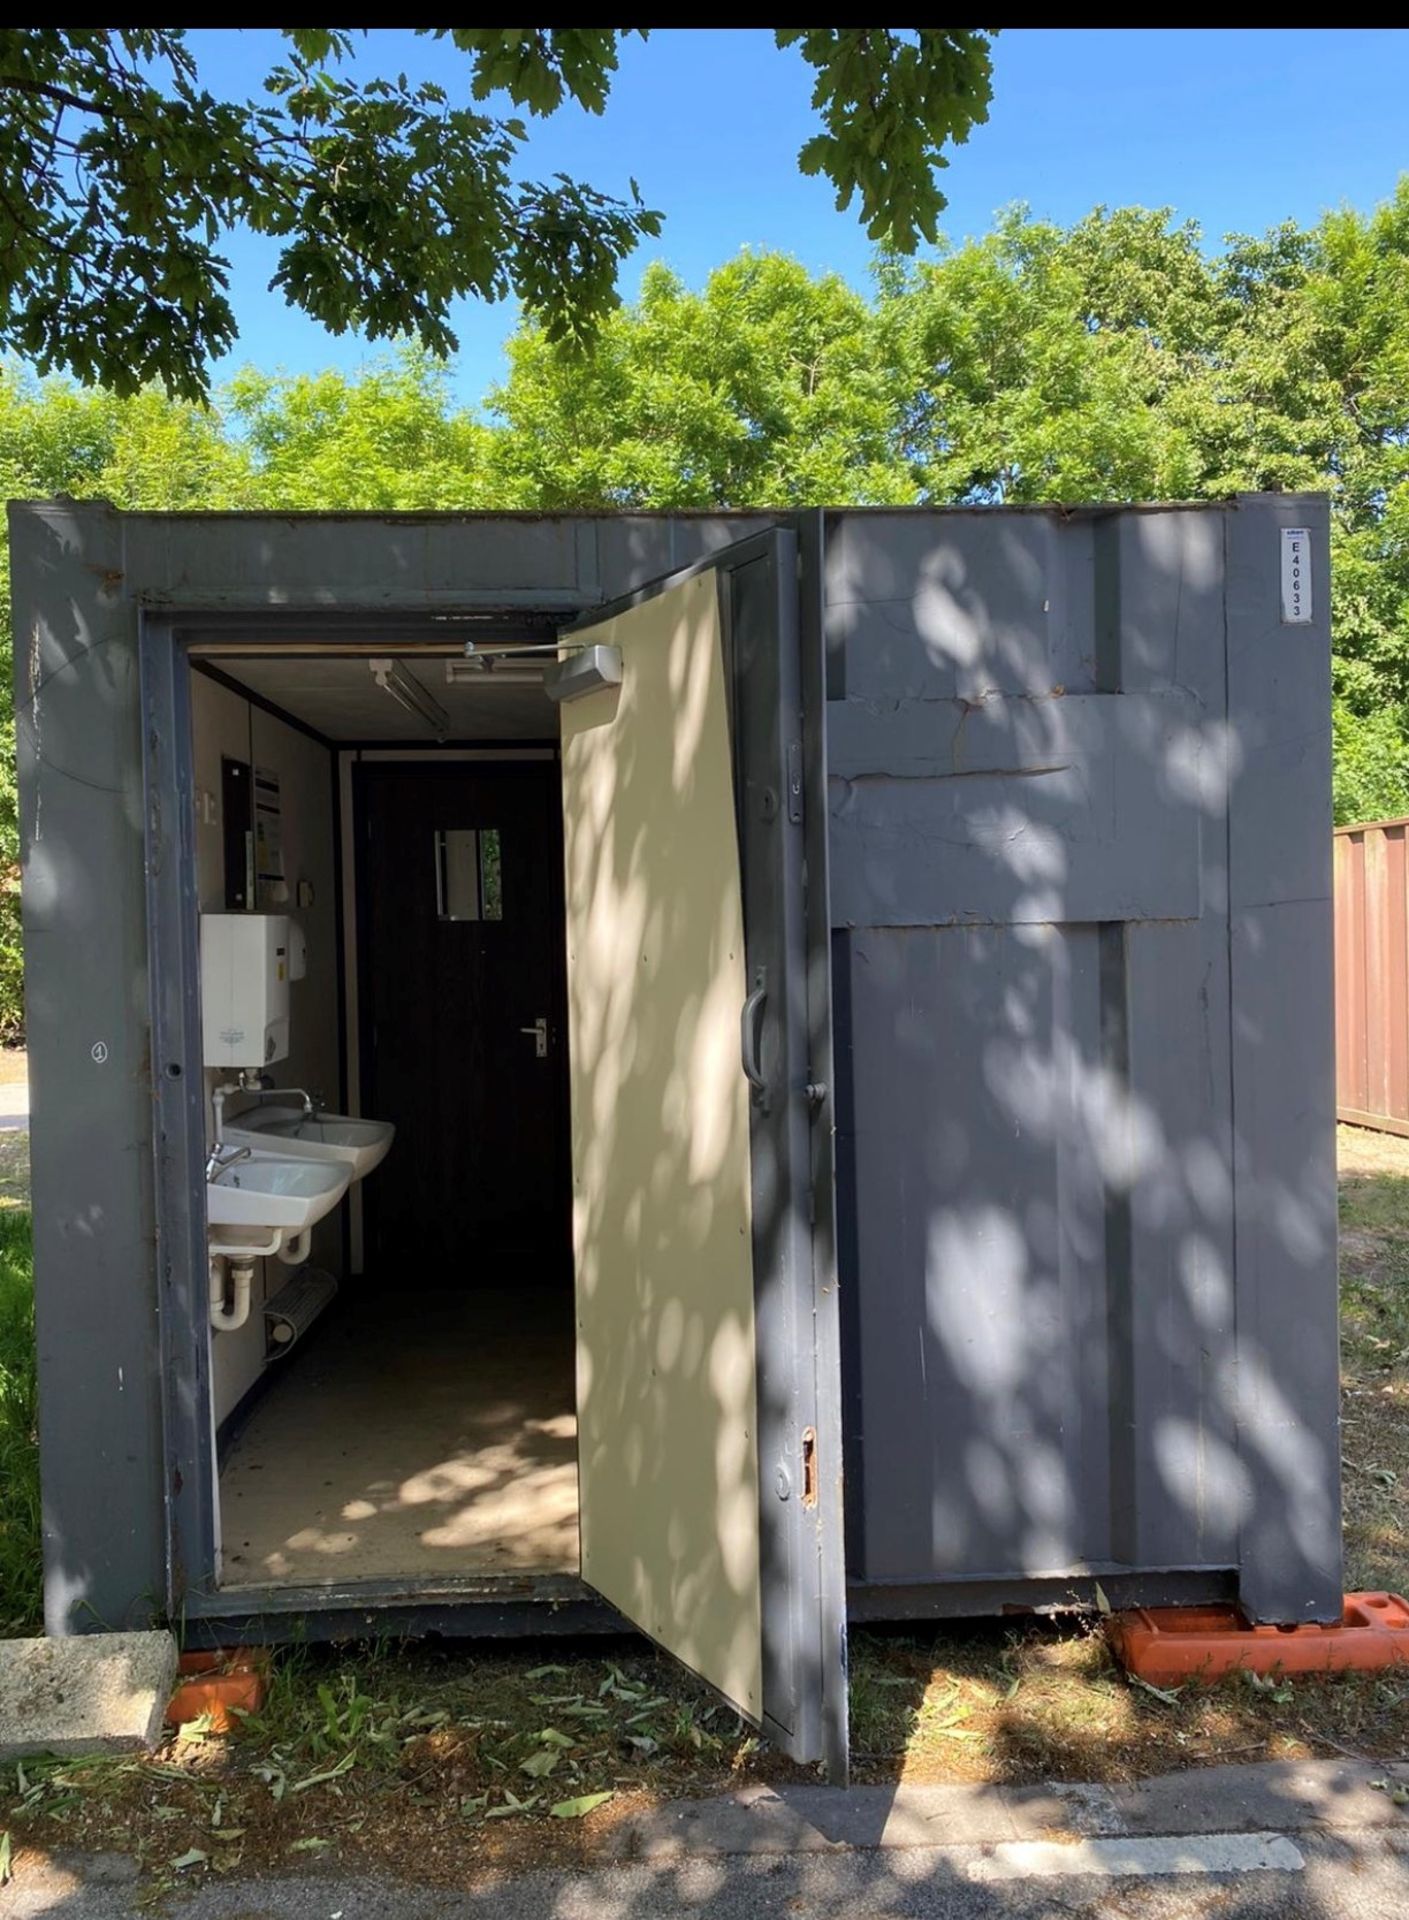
271 1191
322 1139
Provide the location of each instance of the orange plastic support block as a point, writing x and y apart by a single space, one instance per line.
1167 1646
221 1684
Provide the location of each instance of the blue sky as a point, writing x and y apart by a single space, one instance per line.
1237 129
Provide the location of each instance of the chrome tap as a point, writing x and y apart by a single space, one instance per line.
220 1157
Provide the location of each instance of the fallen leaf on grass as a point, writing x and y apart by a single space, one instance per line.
1167 1696
313 1844
539 1765
583 1804
192 1858
512 1804
329 1773
1276 1686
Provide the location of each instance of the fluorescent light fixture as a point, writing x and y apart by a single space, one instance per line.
408 692
584 672
502 671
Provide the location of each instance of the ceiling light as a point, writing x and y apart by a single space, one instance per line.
408 692
503 671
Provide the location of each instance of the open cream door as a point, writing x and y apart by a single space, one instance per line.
707 1387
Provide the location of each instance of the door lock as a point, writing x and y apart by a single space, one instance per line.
539 1030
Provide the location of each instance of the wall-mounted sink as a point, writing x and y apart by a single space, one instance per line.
269 1191
325 1139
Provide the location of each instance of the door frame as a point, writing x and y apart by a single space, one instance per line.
493 1604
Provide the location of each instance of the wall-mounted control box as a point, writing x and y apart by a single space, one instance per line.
245 971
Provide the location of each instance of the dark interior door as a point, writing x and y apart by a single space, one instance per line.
462 1002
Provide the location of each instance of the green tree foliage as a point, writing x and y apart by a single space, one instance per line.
1115 359
390 441
121 171
1043 363
763 389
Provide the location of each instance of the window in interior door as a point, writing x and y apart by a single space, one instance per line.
469 881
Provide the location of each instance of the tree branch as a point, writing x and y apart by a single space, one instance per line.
61 96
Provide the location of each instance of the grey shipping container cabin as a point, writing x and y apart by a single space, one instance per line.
853 993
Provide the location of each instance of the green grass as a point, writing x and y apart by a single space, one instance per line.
19 1449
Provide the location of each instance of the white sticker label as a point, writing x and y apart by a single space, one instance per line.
1296 576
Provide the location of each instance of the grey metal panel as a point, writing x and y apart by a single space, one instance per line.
1082 1590
962 604
1011 809
1170 601
1089 1322
1279 879
1179 1485
348 560
634 549
982 1338
1180 1489
81 841
410 561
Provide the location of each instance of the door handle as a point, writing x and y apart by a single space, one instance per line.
751 1037
539 1031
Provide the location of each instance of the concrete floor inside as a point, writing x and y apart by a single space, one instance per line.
427 1434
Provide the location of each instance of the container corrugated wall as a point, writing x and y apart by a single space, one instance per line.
1079 767
1372 976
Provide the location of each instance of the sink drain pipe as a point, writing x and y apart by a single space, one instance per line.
230 1303
230 1308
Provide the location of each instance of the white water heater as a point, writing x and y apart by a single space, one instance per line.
245 971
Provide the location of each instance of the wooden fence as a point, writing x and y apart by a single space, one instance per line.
1372 975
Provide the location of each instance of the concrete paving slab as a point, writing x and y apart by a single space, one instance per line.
1061 1811
801 1819
908 1816
92 1693
1287 1794
1268 1796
